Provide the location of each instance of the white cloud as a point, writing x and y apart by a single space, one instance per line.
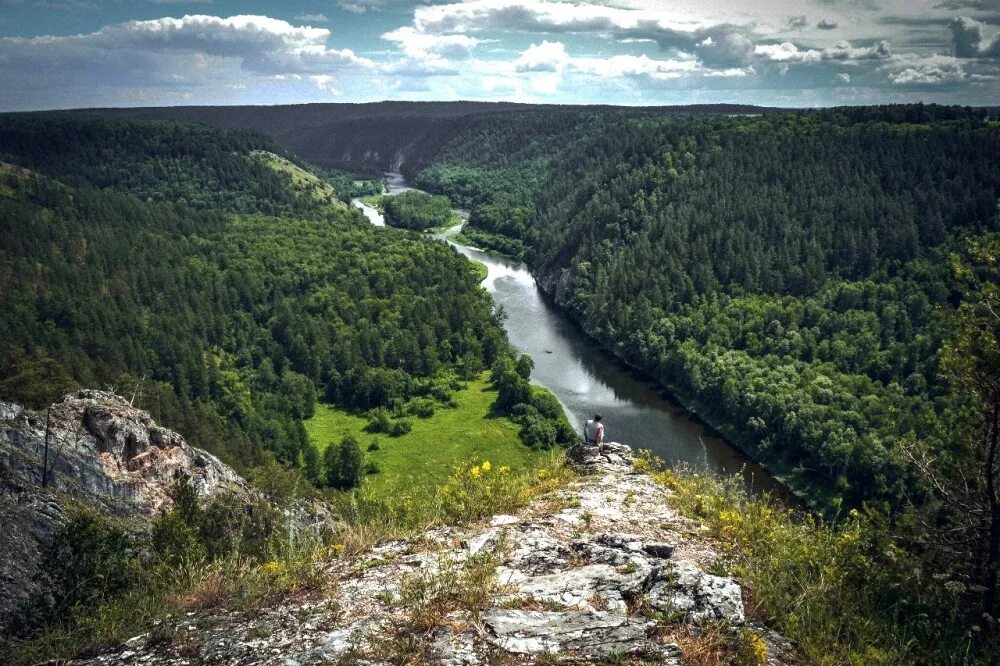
545 57
969 40
932 70
423 46
843 51
262 44
201 54
312 18
720 44
325 82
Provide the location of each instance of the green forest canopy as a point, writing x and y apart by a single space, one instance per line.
785 273
170 257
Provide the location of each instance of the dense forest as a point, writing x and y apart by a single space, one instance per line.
417 211
785 273
818 285
172 263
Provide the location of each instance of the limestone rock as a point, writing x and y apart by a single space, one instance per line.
579 578
700 596
102 452
588 634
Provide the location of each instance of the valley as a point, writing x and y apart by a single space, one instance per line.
818 285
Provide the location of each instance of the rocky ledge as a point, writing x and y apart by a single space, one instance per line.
601 571
103 453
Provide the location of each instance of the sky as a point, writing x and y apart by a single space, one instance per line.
801 53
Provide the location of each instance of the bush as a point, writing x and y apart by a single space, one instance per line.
421 408
380 420
400 427
850 580
174 540
89 561
374 446
538 433
344 463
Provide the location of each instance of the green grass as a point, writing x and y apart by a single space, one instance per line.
376 201
308 183
424 457
15 171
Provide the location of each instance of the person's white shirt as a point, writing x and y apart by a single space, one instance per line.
593 431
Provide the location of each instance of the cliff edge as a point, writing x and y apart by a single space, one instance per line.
600 571
102 452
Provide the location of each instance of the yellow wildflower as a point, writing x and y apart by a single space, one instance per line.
503 469
475 472
486 465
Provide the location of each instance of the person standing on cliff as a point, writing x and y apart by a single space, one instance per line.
593 432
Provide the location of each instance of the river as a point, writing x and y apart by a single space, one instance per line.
588 380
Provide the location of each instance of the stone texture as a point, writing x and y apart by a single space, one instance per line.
700 596
587 634
589 574
102 452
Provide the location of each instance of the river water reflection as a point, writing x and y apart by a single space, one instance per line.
588 380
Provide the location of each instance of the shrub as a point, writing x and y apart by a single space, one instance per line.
89 561
173 540
400 427
816 580
474 491
344 464
380 421
538 433
421 407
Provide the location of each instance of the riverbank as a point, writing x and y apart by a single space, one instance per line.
586 378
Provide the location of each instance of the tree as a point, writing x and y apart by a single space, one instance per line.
351 463
344 464
331 464
964 516
310 464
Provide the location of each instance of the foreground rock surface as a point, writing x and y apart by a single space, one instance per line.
104 453
601 571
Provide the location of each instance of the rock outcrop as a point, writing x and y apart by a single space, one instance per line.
102 452
600 571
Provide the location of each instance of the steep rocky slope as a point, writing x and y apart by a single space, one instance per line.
602 571
102 452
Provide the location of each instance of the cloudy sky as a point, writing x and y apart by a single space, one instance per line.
78 53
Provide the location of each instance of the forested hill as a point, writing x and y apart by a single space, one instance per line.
382 135
192 165
124 263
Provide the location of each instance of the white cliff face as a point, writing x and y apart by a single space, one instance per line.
598 570
102 447
104 453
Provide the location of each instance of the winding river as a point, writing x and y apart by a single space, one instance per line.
588 380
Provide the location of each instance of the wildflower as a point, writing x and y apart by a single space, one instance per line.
503 469
486 465
271 567
475 472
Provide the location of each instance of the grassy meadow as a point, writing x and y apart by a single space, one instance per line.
423 458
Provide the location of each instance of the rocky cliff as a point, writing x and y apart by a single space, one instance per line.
601 571
102 452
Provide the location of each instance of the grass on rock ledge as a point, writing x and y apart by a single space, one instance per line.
845 592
